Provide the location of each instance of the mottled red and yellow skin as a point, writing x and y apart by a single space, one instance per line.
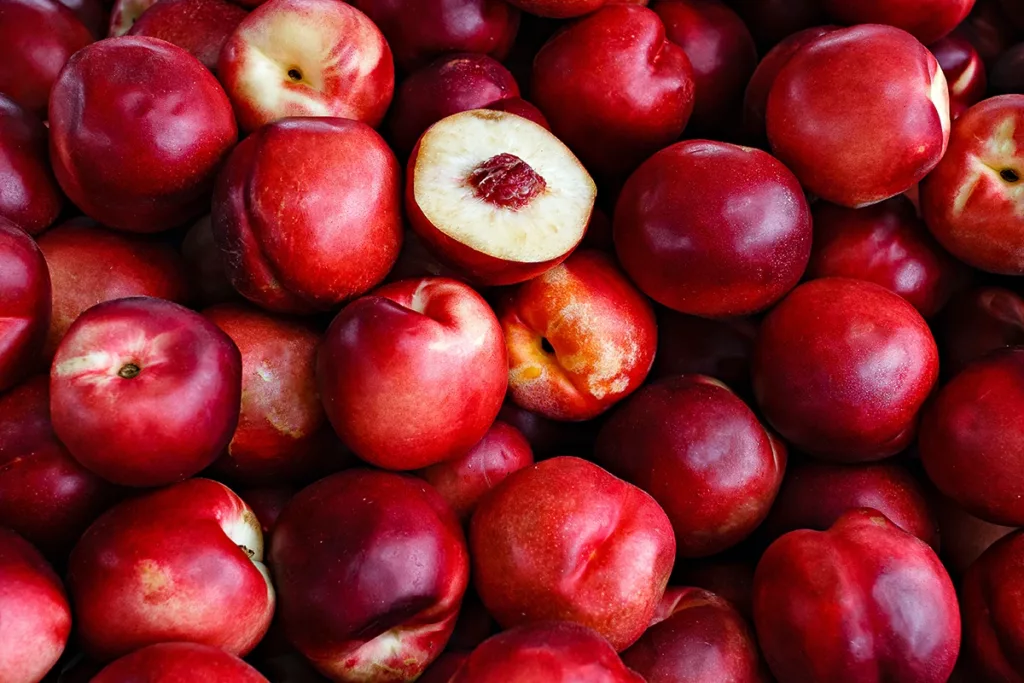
140 174
964 70
859 114
566 540
30 197
25 306
370 567
814 495
614 88
179 663
863 602
977 321
551 651
145 392
887 244
973 202
841 369
199 26
964 537
688 345
691 433
696 637
972 439
926 20
182 564
414 373
462 482
37 618
89 265
993 610
600 333
45 495
713 229
307 58
307 213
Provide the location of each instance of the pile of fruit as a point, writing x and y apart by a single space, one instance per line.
511 341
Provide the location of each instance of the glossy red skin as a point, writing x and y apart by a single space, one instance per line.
771 21
976 322
413 374
37 38
199 26
972 441
370 567
179 564
89 265
816 495
688 345
861 602
25 306
886 244
184 399
601 330
964 70
721 52
701 639
551 651
691 433
926 20
29 195
282 427
462 482
991 602
548 438
968 206
713 229
140 174
964 536
341 231
729 579
45 495
614 88
755 98
520 107
851 114
179 663
438 27
444 667
206 271
92 14
841 369
37 618
565 540
446 86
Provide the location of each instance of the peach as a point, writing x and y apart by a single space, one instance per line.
29 195
976 322
964 71
177 663
991 603
926 20
25 305
199 26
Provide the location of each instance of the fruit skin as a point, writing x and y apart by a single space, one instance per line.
976 322
859 114
199 26
887 244
184 563
139 174
343 63
688 434
179 663
699 638
25 305
688 345
866 601
37 38
565 540
438 27
713 229
926 20
841 369
341 229
991 603
964 71
179 373
614 88
972 442
551 651
601 330
462 482
972 199
89 265
370 567
45 495
37 618
29 195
